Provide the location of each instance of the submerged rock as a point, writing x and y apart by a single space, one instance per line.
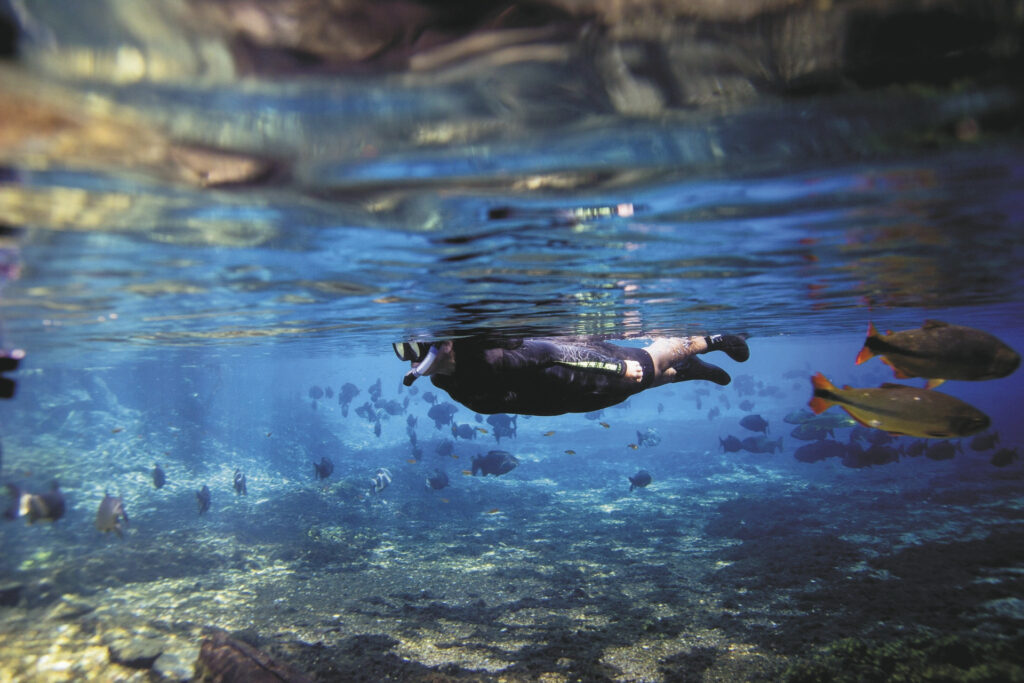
222 658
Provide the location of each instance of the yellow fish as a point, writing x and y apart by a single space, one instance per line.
493 511
482 430
900 409
570 451
468 473
551 433
604 424
633 446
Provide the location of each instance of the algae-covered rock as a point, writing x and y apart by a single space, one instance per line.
222 658
137 653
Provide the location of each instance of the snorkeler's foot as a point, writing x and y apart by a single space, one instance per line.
733 344
695 368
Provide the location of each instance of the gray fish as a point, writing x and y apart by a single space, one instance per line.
441 414
820 450
648 437
316 392
464 431
503 426
798 417
495 463
323 469
754 423
746 405
159 478
445 448
239 481
1004 457
110 514
810 432
203 498
761 444
639 480
380 480
943 450
730 444
985 442
438 480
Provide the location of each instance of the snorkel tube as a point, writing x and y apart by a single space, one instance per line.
423 367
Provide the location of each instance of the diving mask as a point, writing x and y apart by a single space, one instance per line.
416 352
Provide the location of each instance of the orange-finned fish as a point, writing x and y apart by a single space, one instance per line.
115 430
412 461
468 473
570 451
551 433
633 446
900 409
493 511
482 430
939 351
604 424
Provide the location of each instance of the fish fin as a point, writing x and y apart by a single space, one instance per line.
891 385
867 354
932 383
818 404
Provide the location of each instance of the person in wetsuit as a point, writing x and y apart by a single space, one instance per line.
552 376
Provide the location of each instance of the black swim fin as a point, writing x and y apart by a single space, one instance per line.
734 345
695 368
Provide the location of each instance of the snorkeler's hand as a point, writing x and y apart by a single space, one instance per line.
634 371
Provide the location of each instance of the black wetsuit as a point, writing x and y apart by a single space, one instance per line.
542 376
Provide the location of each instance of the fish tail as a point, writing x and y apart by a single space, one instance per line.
866 353
822 398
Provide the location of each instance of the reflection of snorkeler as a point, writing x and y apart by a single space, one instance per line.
551 376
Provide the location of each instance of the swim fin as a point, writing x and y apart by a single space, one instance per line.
734 345
695 368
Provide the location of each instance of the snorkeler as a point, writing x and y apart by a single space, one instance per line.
552 376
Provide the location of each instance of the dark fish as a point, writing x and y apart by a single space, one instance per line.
203 498
746 405
820 450
328 392
374 390
47 506
445 448
437 480
495 462
323 469
464 431
940 351
159 478
761 444
1004 457
594 415
639 480
985 442
380 480
810 432
714 412
347 392
856 457
109 514
410 421
730 444
503 426
943 450
754 423
376 428
240 489
915 449
724 400
648 437
429 397
661 408
441 414
316 392
392 407
899 409
478 418
798 417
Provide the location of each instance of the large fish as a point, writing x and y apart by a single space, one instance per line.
47 506
939 351
110 514
900 409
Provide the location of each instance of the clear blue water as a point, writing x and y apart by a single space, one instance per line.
167 321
